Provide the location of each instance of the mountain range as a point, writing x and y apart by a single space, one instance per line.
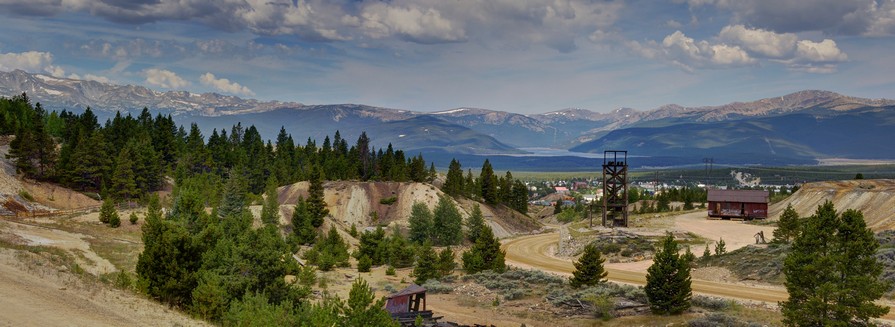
794 128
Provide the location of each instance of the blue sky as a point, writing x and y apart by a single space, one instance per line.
519 56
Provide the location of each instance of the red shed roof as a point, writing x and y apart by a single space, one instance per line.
412 289
746 196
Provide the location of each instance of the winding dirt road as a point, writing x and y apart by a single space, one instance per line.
533 252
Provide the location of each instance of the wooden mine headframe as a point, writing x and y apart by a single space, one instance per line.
615 188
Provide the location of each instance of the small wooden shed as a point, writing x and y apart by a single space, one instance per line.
407 304
743 204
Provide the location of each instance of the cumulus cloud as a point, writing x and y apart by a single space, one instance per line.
737 45
224 85
164 78
816 57
31 61
689 54
425 25
763 42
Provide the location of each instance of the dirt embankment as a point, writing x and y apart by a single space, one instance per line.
389 203
875 198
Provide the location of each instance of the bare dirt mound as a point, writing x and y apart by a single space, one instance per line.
38 291
59 197
876 198
389 203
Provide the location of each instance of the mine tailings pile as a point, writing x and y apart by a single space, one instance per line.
874 197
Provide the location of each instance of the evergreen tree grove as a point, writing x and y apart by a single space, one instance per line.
485 254
832 274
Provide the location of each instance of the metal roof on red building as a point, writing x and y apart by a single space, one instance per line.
745 196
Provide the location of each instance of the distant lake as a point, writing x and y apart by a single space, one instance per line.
549 152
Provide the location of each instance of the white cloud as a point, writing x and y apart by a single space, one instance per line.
30 61
164 78
816 57
425 25
688 53
737 45
224 85
823 51
763 42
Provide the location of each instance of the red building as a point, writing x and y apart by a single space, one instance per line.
746 204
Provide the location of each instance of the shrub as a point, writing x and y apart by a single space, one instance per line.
434 286
720 319
389 200
390 271
25 195
364 264
711 303
133 218
114 221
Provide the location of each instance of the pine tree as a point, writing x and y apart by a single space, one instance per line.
720 247
472 189
447 223
475 223
668 280
832 275
861 272
453 183
316 204
589 268
557 207
489 184
124 184
363 310
364 264
706 253
446 263
302 228
485 254
426 266
519 198
133 218
107 212
420 222
329 251
270 212
787 226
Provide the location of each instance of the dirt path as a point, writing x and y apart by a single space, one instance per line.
736 234
532 252
71 242
35 293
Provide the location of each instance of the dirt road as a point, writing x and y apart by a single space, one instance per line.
735 234
533 252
